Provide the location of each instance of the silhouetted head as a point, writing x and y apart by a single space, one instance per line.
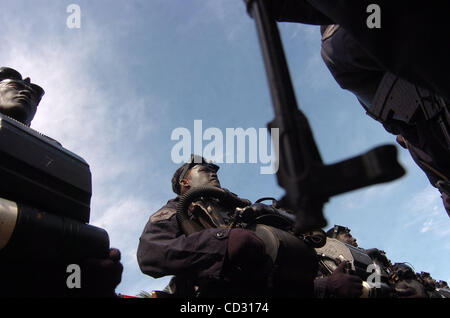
19 97
404 271
342 234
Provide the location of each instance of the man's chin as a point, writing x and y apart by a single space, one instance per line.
18 112
215 184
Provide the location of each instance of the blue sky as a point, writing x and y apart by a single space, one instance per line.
136 70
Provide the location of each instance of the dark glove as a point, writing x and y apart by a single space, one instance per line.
251 212
410 290
246 254
343 285
100 277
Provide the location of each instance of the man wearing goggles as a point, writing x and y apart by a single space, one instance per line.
196 173
205 260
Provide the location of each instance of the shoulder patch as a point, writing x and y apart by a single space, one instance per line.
163 214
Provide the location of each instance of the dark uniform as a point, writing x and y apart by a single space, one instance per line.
414 51
344 248
199 260
231 247
418 117
165 250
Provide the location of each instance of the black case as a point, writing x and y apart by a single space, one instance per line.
38 171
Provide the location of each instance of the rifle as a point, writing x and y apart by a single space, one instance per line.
45 193
308 182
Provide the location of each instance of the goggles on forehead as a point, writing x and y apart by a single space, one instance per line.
340 229
197 160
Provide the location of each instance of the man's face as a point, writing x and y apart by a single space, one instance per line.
429 280
404 271
347 238
202 175
17 100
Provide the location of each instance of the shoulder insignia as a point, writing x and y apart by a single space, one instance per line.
163 214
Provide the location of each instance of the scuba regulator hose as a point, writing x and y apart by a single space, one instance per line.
223 195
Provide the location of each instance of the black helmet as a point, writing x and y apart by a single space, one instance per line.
181 172
12 74
337 229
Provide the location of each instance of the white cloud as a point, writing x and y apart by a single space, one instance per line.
366 197
305 31
426 226
424 199
426 208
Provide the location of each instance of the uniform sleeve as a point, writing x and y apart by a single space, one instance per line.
351 67
165 250
320 287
